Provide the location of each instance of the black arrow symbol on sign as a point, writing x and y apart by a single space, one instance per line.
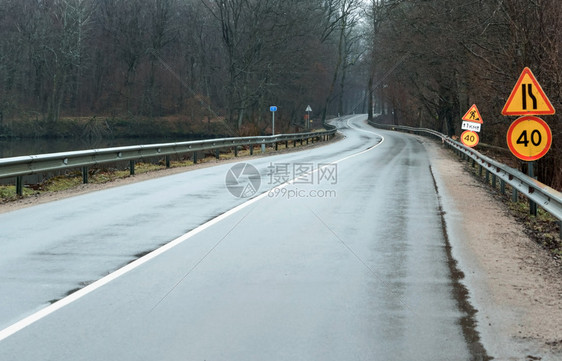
530 87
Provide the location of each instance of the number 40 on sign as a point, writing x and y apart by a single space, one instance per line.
529 138
470 138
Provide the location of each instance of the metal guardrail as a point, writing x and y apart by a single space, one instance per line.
44 163
548 198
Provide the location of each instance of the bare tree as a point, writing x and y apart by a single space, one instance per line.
345 19
68 21
124 23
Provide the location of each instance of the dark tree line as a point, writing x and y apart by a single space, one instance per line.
453 53
196 60
418 62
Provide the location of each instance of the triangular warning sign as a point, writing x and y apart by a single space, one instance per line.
473 115
527 97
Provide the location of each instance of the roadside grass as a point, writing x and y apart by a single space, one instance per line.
543 229
74 179
8 193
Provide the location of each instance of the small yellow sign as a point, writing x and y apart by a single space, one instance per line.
470 139
473 115
529 138
527 97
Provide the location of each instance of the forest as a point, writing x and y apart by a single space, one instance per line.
455 53
221 63
216 66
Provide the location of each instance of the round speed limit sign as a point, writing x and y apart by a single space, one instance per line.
529 138
470 138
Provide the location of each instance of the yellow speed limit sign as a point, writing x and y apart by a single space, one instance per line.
470 138
529 138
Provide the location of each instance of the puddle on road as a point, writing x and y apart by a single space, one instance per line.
460 293
87 283
133 259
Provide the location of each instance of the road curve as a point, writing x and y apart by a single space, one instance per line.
349 261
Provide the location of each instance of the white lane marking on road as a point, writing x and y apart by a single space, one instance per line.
29 320
366 150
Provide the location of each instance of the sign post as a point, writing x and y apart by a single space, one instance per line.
273 109
532 205
472 123
308 110
529 138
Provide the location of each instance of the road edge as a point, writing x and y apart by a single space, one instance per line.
517 316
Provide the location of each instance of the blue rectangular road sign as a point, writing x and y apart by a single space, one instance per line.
273 108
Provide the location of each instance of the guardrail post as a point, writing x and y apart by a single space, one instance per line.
263 148
502 186
307 141
487 176
294 143
167 161
85 175
514 195
236 151
19 185
494 181
194 157
251 149
480 169
276 146
532 208
132 167
286 144
217 154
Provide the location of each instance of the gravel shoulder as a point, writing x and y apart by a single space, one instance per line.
513 283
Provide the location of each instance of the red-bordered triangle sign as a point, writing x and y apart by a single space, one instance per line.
527 97
473 115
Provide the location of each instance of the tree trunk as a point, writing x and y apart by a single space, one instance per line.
370 97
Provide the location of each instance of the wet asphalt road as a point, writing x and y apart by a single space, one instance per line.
349 262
